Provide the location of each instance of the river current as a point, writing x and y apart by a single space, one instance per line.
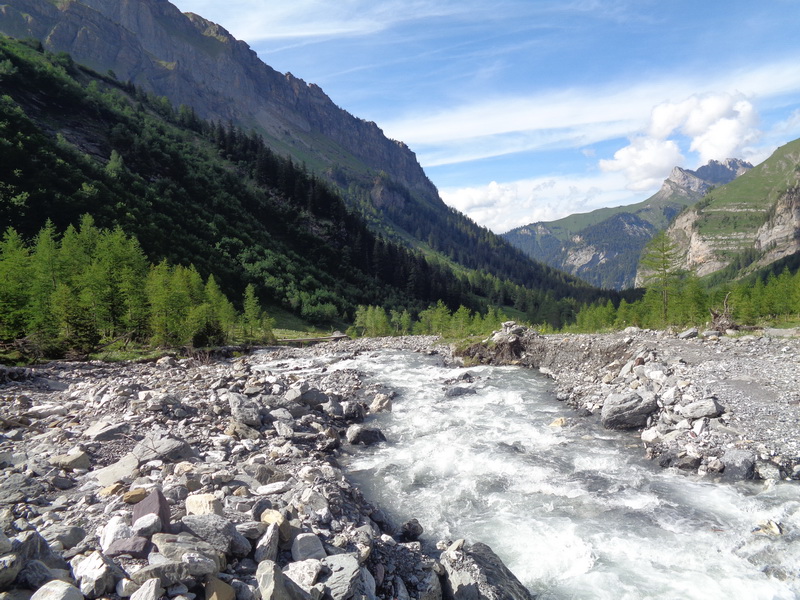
575 512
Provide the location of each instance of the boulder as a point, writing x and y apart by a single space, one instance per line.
57 590
358 434
476 573
219 532
739 464
307 545
707 407
96 575
627 411
274 585
150 590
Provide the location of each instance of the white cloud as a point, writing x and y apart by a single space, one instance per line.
504 206
718 126
644 161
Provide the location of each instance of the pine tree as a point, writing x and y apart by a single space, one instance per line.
14 286
659 264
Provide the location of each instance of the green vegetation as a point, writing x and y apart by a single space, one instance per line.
773 299
211 206
373 321
93 287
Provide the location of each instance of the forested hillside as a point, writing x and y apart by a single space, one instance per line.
194 62
214 196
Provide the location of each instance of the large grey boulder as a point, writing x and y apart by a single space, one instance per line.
739 464
57 590
219 532
274 585
707 407
627 411
474 572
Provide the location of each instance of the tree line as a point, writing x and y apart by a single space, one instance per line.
70 293
674 297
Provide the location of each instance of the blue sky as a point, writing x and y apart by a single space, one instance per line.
528 110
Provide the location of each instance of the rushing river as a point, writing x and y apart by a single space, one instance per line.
575 512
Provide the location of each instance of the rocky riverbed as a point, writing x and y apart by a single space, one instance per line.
220 476
212 477
726 406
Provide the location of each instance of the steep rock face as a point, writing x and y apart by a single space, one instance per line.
749 223
603 247
195 62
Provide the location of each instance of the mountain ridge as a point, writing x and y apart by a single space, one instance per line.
196 63
603 246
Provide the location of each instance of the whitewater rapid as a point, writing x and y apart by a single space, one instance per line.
575 511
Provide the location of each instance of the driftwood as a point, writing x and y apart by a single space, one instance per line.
723 321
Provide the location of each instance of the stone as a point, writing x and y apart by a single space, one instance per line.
134 496
135 547
179 547
96 575
244 409
381 403
5 543
17 488
410 531
304 573
689 334
307 545
146 525
57 590
345 574
10 566
455 392
274 585
270 516
707 407
118 471
267 545
358 434
70 462
115 529
68 536
651 436
475 571
739 464
627 410
104 430
203 504
166 448
155 503
278 487
216 589
168 573
149 590
34 575
217 531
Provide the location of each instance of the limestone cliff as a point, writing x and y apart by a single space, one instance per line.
749 223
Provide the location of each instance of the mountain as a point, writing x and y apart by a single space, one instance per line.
603 246
752 222
196 63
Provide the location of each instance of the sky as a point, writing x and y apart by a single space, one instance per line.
530 110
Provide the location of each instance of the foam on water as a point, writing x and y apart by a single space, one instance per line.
573 512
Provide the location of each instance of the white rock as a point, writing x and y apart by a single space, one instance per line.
115 529
150 590
57 590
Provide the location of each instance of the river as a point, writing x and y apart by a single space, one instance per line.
575 512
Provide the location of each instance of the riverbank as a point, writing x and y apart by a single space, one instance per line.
213 477
716 405
221 477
